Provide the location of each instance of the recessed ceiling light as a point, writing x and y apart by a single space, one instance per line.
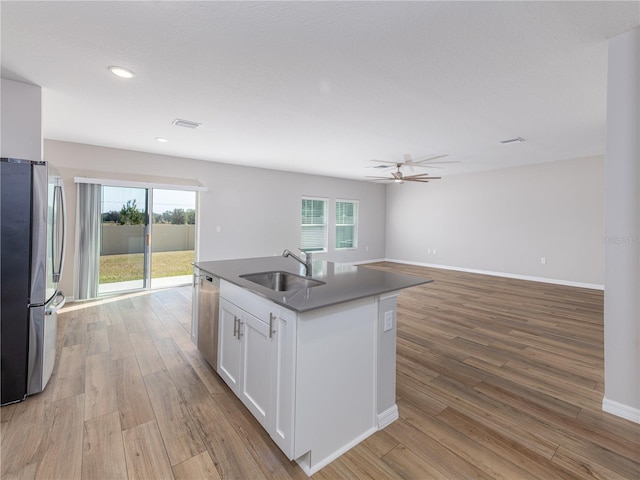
162 139
122 72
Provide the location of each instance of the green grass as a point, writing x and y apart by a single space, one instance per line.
122 268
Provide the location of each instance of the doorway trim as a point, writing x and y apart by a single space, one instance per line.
191 185
181 184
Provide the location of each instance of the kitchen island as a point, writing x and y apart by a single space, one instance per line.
312 358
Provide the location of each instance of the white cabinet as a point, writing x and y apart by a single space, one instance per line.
283 368
245 358
255 359
229 346
313 380
255 367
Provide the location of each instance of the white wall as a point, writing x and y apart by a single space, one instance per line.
21 120
622 276
505 221
258 210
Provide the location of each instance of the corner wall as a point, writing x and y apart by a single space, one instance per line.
505 221
622 197
258 210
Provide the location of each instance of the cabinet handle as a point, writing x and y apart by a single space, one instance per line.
272 317
235 327
240 328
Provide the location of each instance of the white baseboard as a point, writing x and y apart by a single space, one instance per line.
305 461
621 410
387 417
593 286
364 262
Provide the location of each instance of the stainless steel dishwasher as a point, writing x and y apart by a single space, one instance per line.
208 301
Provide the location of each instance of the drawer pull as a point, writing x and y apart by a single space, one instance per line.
272 317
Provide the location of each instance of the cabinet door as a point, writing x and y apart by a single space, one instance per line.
256 378
281 422
229 358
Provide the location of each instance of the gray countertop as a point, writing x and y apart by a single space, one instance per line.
343 282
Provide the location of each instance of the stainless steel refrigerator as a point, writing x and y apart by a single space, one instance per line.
32 238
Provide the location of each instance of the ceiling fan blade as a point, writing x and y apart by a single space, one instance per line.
416 180
430 159
442 163
379 178
384 161
425 166
421 177
423 174
383 168
408 162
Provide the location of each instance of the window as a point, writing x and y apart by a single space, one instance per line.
346 224
314 225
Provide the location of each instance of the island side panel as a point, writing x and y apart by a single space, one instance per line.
387 410
284 388
335 380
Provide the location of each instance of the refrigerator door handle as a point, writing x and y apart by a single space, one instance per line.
58 305
60 219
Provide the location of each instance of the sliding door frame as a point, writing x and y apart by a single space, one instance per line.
148 232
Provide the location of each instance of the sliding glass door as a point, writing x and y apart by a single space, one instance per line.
147 238
173 232
124 239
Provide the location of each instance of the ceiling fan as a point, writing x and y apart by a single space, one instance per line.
399 177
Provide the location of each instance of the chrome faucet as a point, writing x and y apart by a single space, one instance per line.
306 262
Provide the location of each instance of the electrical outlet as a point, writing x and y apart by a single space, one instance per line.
543 260
218 228
388 320
434 251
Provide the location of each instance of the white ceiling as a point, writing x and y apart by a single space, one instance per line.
323 87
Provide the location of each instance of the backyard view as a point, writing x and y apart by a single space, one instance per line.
129 245
122 268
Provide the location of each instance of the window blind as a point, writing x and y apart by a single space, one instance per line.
346 224
314 225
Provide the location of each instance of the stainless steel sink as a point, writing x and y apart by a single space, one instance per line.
281 281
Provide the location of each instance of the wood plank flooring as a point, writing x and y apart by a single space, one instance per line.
496 379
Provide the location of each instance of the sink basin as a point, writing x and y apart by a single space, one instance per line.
281 281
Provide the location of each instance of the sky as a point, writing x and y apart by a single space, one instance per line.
113 198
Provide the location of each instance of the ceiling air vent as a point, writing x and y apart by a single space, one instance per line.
512 140
178 122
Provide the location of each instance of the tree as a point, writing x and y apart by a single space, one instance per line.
112 216
130 215
177 217
191 216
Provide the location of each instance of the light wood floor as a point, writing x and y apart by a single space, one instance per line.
497 378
